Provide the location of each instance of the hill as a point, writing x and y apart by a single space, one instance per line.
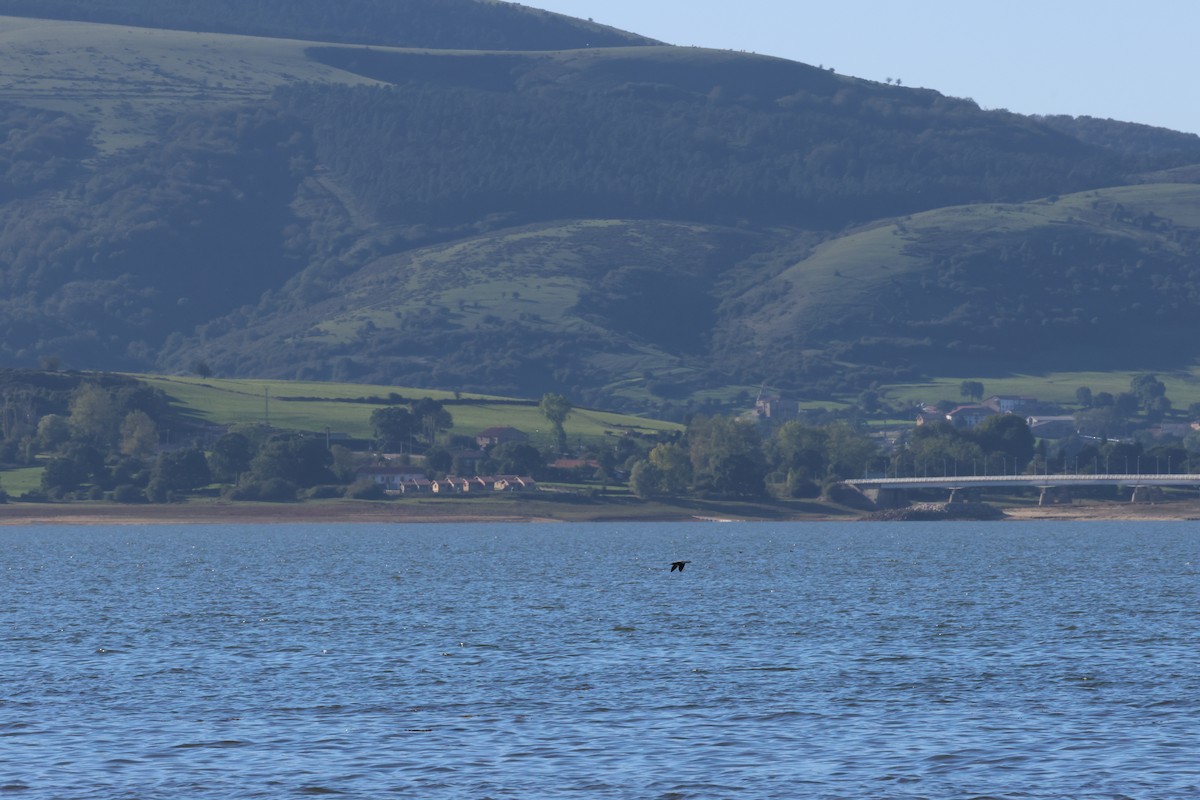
440 24
629 224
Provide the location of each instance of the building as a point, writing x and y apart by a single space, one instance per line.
391 478
969 417
493 437
776 408
1008 403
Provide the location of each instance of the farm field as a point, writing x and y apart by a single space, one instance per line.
1183 387
315 406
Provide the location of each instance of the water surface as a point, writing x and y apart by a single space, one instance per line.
1047 660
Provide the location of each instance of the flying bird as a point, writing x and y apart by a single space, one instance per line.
679 565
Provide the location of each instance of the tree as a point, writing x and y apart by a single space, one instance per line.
645 480
53 431
1007 434
178 471
556 408
726 456
302 462
393 427
231 456
432 418
801 450
439 460
971 389
849 451
139 435
1126 404
345 466
94 417
674 467
202 369
516 458
943 449
1147 389
78 463
1083 396
1158 408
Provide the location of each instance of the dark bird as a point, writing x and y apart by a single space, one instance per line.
679 565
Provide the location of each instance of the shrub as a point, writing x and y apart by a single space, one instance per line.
271 490
128 493
366 489
325 492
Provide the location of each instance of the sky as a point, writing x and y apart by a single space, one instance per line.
1135 62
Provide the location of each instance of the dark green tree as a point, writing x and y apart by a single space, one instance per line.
556 408
178 472
1006 434
297 461
1147 389
394 427
516 458
727 456
971 389
231 456
432 418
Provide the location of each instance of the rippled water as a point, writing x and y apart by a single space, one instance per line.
544 661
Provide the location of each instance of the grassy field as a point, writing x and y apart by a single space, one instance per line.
19 481
1183 387
235 401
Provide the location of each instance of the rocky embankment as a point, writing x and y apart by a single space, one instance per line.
928 512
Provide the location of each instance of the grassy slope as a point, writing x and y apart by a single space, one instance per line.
845 277
124 79
846 283
533 277
245 401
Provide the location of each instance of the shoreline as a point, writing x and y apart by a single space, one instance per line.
17 513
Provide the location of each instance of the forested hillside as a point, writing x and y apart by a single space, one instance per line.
629 225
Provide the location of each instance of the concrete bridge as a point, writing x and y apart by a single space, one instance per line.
889 492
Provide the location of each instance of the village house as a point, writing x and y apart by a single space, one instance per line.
482 483
451 485
391 478
1008 403
421 485
514 483
969 417
776 408
493 437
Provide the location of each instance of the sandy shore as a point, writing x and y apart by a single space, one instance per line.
1133 512
364 512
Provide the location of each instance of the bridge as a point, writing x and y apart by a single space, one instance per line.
888 492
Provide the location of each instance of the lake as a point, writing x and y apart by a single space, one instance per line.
813 660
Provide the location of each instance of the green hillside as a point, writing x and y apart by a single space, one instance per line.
1100 279
493 199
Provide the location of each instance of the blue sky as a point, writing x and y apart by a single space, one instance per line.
1130 61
